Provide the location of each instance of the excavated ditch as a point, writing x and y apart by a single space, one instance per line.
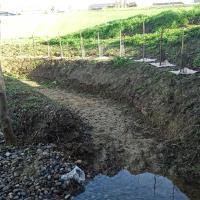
154 129
122 140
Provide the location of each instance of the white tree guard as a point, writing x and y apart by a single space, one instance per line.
166 63
185 71
147 60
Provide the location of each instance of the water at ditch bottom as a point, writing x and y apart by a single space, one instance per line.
125 186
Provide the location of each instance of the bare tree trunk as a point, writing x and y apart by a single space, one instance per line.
5 121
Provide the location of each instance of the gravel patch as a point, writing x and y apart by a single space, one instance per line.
35 173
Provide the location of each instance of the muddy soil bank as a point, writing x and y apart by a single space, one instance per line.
37 119
169 102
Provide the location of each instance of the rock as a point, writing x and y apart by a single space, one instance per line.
34 173
16 197
10 195
45 153
78 161
7 154
16 174
67 196
58 184
56 176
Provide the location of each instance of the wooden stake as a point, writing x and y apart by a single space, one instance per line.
143 46
182 50
82 46
20 47
61 49
67 54
161 47
48 48
122 48
100 46
120 43
5 122
33 43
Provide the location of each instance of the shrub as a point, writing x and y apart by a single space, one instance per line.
121 61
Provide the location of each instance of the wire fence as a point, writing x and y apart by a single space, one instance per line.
35 47
122 46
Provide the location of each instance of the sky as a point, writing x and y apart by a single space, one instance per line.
65 4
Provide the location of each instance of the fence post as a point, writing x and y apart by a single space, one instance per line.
82 46
161 47
122 48
5 122
143 45
48 48
99 46
20 47
33 43
67 54
61 49
182 50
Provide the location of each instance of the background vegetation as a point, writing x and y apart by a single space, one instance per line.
175 23
65 23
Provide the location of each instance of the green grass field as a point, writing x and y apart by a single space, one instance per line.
128 21
64 23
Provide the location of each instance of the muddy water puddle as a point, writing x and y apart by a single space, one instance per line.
125 186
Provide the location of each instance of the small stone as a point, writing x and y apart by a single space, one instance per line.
14 156
67 196
78 161
56 191
58 183
10 195
16 197
23 194
45 153
65 184
8 154
6 188
56 176
46 192
16 174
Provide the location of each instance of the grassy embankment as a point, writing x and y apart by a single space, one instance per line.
171 21
107 22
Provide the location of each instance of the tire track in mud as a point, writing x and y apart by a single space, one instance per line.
122 137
